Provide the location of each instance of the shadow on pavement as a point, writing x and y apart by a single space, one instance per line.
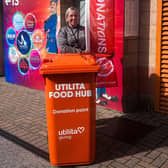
116 137
24 144
123 129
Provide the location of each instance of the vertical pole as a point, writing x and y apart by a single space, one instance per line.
158 55
87 24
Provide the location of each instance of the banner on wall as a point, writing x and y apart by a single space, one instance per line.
102 40
29 29
105 39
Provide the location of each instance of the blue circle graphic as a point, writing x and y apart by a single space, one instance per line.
23 42
10 36
18 21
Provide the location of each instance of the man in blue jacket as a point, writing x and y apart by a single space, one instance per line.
50 28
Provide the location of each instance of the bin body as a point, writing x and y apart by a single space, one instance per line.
71 114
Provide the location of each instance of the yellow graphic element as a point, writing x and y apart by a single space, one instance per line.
38 39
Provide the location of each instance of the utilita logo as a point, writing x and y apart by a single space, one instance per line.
67 134
79 130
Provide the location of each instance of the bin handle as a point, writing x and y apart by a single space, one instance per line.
46 60
88 58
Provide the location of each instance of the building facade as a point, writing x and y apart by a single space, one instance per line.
141 79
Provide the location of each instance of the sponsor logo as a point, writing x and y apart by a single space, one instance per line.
34 59
23 65
68 133
23 42
38 39
10 36
18 21
13 55
30 22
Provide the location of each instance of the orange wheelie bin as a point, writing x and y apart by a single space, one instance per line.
70 82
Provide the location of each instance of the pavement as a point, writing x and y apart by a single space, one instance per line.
123 140
15 156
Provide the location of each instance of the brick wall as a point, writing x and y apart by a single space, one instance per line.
147 52
140 57
130 73
130 61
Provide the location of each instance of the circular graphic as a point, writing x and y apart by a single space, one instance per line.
37 39
30 22
10 36
13 55
23 65
23 42
106 67
34 59
18 21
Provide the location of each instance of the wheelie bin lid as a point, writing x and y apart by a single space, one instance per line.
68 63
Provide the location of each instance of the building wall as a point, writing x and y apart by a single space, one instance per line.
147 52
65 4
130 61
79 4
140 54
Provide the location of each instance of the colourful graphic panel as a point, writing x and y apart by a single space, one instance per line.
29 29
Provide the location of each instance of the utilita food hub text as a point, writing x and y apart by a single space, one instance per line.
69 90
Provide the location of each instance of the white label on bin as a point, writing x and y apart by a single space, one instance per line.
63 111
69 90
67 133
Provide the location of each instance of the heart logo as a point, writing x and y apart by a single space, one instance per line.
81 129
